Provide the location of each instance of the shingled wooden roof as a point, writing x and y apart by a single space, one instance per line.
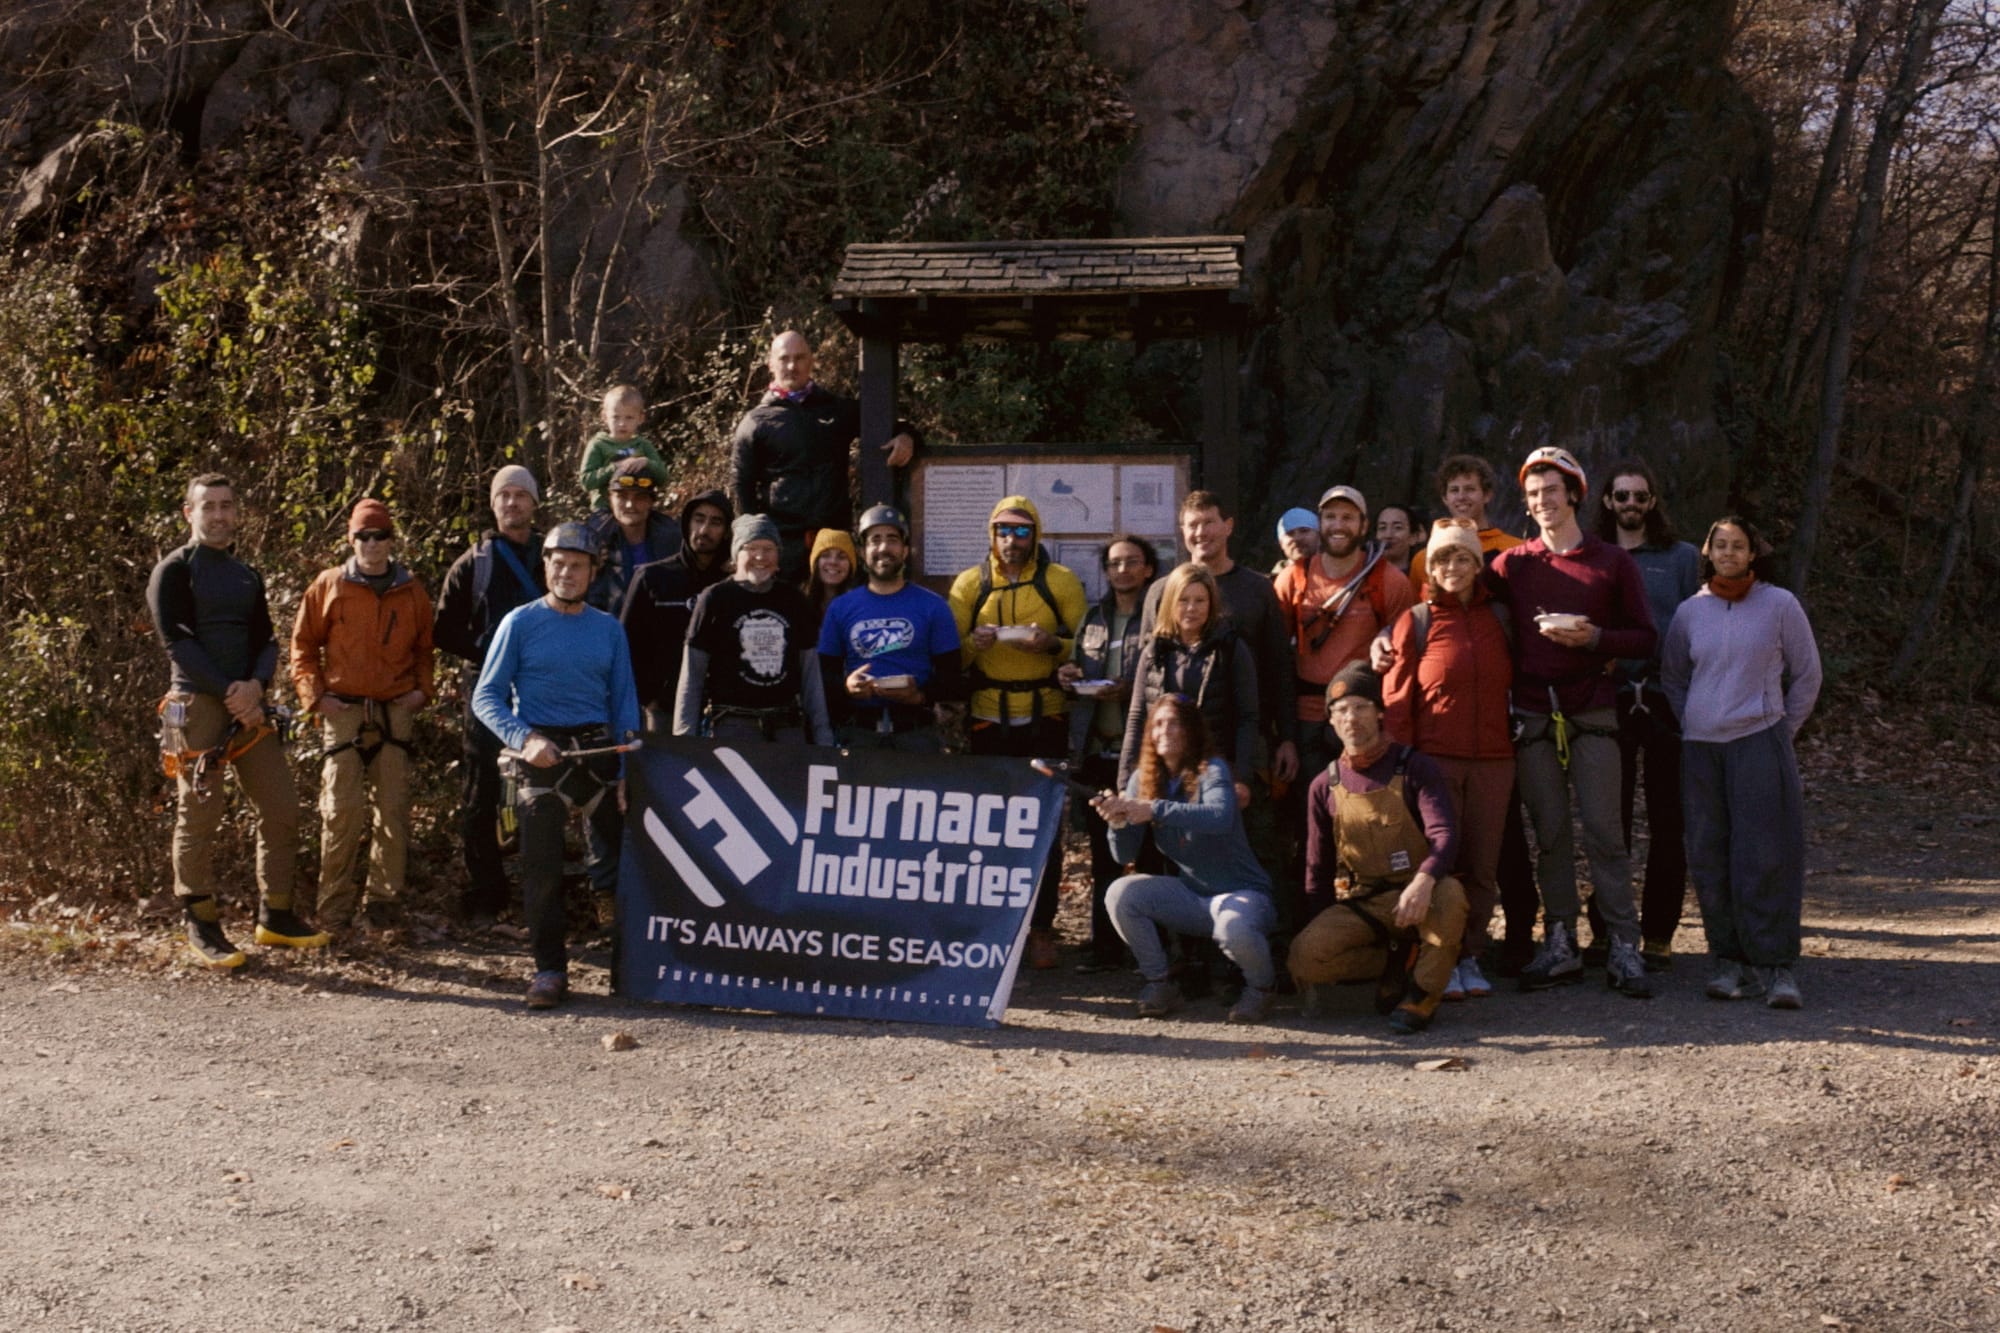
1144 287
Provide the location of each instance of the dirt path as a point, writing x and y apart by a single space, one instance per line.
396 1144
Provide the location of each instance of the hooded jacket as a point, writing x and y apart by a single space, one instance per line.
1451 700
790 459
353 641
659 602
1004 675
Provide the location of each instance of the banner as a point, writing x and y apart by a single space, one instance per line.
804 880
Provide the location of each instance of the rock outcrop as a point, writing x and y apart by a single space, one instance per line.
1475 224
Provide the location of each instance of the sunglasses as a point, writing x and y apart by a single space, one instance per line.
633 484
373 535
1632 497
1021 531
1127 562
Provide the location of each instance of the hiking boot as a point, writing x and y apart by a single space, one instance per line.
211 946
1250 1006
1555 963
282 927
1658 955
1473 980
1407 1020
1393 986
1782 988
1734 981
548 990
1157 999
1454 987
1042 950
1625 971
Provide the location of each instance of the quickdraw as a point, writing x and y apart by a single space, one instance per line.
1559 730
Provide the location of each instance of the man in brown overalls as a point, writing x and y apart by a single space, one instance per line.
1381 836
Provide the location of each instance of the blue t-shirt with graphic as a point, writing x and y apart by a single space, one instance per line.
896 634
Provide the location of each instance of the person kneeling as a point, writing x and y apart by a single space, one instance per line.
1380 829
1188 795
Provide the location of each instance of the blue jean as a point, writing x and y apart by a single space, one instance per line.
1239 922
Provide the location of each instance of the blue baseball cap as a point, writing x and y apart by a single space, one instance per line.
1297 518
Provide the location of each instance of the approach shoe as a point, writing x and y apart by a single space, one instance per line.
1407 1020
1782 989
282 928
211 946
1157 999
1250 1006
1556 962
1625 971
547 990
1454 987
1658 955
1734 981
1475 982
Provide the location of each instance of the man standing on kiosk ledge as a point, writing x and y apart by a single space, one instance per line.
789 454
1017 613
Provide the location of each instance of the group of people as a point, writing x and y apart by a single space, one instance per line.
1326 766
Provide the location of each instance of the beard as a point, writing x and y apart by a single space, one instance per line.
1630 519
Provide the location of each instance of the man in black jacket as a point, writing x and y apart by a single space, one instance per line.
790 454
503 570
660 602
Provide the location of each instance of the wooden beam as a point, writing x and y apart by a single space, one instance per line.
878 419
1221 444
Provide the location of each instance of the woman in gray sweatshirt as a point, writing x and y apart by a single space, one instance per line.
1742 672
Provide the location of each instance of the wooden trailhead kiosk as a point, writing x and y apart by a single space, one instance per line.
1141 290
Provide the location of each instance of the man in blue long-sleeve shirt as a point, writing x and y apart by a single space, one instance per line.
557 679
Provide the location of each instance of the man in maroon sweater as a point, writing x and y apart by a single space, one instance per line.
1580 604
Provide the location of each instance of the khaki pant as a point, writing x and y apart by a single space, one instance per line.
1337 945
352 789
266 780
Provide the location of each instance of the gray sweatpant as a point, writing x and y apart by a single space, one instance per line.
1595 772
1746 844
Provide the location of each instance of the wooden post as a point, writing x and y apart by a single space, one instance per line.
878 420
1220 442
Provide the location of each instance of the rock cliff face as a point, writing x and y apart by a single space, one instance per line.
1475 225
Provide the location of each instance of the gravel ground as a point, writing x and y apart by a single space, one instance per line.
389 1141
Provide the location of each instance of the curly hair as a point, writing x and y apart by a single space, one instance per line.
1155 780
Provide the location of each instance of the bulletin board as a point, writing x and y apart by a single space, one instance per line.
1085 497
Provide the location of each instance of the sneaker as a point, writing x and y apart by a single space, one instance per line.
1733 981
1454 989
211 946
548 990
1783 989
282 927
1042 950
1475 982
1658 955
1555 963
1250 1006
1406 1020
1625 971
1158 999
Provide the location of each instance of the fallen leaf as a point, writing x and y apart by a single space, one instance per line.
236 1178
1449 1063
338 1144
1256 1053
736 1247
579 1282
1162 1328
611 1191
618 1041
66 988
1897 1181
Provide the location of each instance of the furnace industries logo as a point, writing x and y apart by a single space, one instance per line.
739 849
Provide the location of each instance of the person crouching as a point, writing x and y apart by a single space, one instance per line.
1187 793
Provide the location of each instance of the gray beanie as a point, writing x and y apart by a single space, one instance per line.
749 528
515 475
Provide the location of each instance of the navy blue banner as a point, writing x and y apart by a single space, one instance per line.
803 880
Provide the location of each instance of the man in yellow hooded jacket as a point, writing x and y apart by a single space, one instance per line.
1017 614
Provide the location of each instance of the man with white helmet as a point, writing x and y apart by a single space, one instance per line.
557 690
1580 603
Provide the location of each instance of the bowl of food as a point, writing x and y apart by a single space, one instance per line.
1093 689
902 682
1549 620
1014 634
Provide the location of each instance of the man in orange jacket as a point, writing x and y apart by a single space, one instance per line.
361 659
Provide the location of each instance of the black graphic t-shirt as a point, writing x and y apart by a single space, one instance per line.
753 641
